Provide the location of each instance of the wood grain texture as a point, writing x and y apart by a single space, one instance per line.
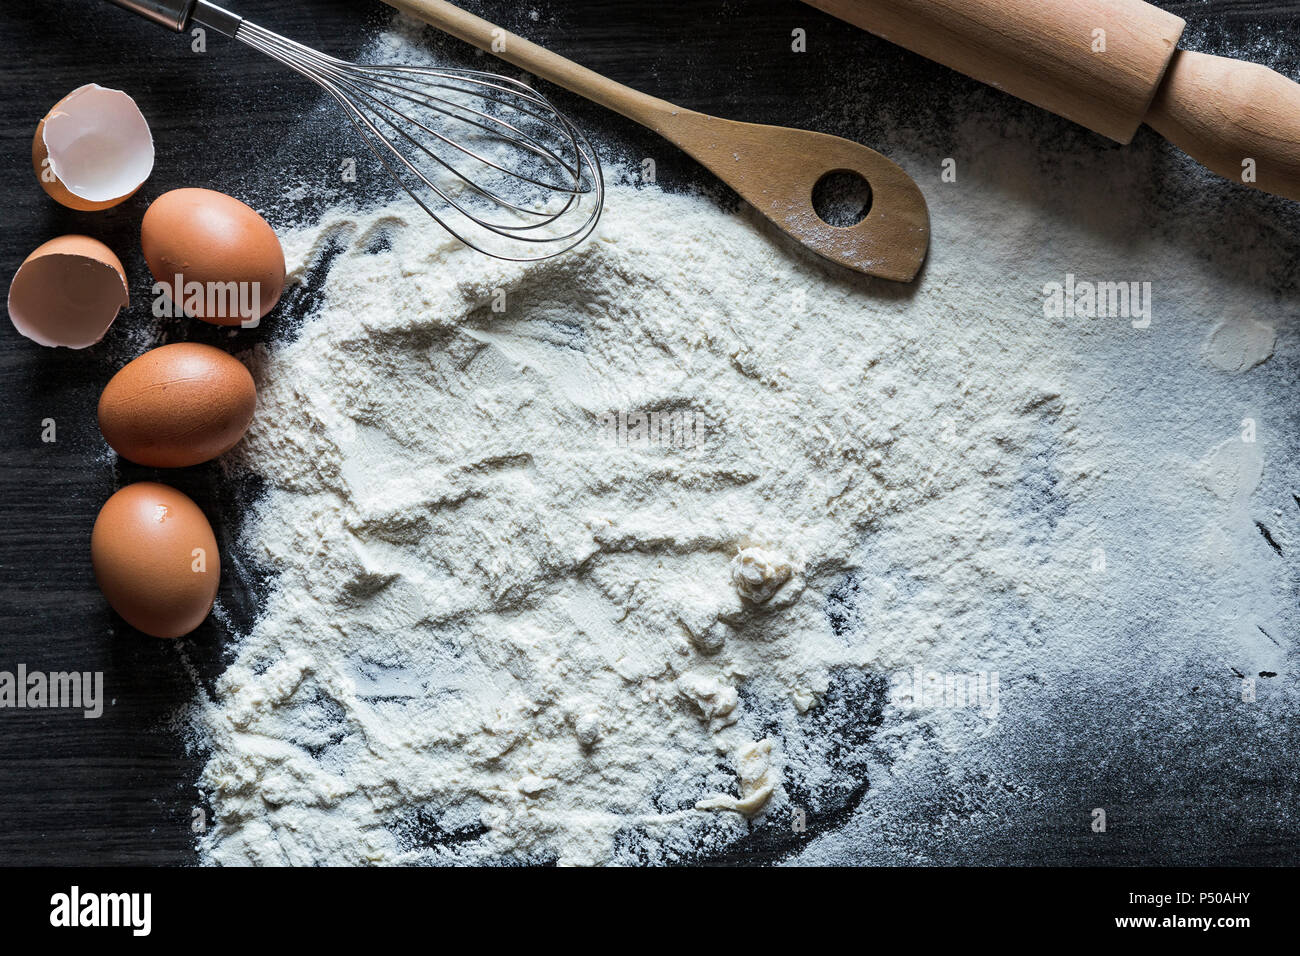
121 789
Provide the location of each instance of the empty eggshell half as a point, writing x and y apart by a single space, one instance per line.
67 292
93 149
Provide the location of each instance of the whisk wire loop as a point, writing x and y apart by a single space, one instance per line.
490 159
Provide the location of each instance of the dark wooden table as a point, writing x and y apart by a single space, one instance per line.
121 789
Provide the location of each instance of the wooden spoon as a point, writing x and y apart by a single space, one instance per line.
772 167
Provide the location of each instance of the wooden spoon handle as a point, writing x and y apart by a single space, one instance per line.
1240 119
635 105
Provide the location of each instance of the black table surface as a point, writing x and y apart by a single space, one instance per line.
121 789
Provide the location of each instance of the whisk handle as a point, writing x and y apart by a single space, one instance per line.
177 14
635 105
173 14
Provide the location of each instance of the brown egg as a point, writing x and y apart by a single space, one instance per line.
156 559
219 259
177 405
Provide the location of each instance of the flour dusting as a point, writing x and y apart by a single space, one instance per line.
493 616
608 558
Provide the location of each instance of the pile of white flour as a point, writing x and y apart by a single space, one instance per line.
568 554
495 608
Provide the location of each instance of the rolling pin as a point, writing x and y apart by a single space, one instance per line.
1109 65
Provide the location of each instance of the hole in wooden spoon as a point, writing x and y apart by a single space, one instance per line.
841 198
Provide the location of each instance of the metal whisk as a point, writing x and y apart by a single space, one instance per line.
488 157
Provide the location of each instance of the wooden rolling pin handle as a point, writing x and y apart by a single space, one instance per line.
1240 119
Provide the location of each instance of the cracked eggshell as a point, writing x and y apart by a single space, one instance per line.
93 150
68 292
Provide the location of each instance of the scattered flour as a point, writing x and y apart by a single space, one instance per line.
497 634
490 618
1239 345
